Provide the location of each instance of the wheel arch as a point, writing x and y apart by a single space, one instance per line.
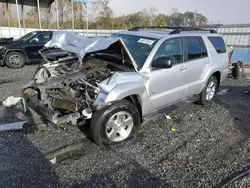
15 50
217 75
133 92
136 100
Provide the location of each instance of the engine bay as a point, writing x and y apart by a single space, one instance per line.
72 88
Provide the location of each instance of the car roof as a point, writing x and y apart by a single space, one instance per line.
157 34
40 31
146 33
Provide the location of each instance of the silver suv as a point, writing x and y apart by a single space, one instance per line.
116 83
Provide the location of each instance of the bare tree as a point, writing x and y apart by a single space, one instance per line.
94 7
173 10
153 13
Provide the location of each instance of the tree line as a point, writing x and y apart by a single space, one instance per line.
101 16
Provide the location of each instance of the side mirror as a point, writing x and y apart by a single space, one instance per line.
162 63
34 40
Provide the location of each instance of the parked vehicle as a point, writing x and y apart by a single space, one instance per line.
16 53
121 81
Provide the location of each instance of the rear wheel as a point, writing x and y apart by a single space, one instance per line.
15 60
115 124
208 93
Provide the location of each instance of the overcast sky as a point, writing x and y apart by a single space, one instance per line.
227 11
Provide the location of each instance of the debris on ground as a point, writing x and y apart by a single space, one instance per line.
12 126
11 101
173 129
20 115
172 164
168 117
223 92
53 161
246 92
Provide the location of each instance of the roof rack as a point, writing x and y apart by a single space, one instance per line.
175 30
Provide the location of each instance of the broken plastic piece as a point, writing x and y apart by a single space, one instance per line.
246 92
168 117
53 161
11 101
223 92
12 126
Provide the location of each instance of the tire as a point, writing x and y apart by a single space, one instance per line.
204 99
15 60
101 123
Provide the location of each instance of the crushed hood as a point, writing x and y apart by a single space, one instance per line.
82 45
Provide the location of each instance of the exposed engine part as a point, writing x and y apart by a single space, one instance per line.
50 114
64 105
70 118
87 113
42 109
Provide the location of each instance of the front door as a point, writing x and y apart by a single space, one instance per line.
37 43
166 86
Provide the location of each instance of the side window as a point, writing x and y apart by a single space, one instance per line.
218 44
172 48
203 49
194 48
44 37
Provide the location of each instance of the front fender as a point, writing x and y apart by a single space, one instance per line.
126 89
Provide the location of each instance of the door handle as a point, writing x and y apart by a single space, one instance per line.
207 61
183 68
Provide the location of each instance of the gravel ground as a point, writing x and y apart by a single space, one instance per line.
199 147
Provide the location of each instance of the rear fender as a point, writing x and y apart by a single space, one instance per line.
206 78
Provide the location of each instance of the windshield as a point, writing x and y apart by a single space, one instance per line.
27 36
139 47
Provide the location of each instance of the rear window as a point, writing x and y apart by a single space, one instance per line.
218 44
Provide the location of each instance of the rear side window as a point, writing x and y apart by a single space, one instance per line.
195 48
218 44
203 49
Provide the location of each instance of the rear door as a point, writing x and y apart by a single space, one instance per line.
36 43
198 62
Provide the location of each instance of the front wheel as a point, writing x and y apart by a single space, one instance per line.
115 123
208 93
15 60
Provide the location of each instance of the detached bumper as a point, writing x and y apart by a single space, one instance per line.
49 114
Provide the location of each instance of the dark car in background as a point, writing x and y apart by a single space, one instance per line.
16 53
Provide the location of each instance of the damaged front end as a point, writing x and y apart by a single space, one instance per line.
68 88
